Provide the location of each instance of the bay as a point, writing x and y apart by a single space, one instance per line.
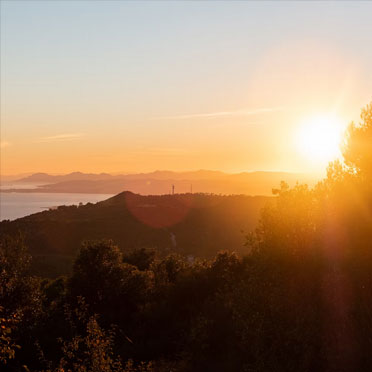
15 205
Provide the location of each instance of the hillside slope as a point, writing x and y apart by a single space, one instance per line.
190 224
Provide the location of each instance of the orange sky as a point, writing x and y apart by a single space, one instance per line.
176 86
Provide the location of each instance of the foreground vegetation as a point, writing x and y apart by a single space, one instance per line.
301 300
197 225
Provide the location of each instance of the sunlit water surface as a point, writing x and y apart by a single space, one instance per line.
16 205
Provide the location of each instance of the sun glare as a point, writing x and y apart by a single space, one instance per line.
319 138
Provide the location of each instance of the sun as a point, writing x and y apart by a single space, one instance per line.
319 138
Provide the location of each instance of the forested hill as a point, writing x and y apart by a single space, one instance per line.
198 225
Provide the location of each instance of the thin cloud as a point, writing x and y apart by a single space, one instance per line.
4 144
242 112
61 137
162 151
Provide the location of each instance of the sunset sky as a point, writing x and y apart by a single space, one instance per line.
118 86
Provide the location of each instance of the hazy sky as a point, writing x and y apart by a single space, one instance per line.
119 86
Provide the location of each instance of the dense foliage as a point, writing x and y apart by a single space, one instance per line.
189 224
300 300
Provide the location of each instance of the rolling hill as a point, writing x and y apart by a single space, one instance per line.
195 225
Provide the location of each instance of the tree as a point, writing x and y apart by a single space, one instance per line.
140 257
20 300
18 289
357 151
109 285
7 344
90 347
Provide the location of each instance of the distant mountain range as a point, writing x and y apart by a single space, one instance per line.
75 176
162 182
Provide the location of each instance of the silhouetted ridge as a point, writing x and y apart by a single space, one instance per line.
133 221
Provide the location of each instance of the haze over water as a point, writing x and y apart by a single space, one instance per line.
17 205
